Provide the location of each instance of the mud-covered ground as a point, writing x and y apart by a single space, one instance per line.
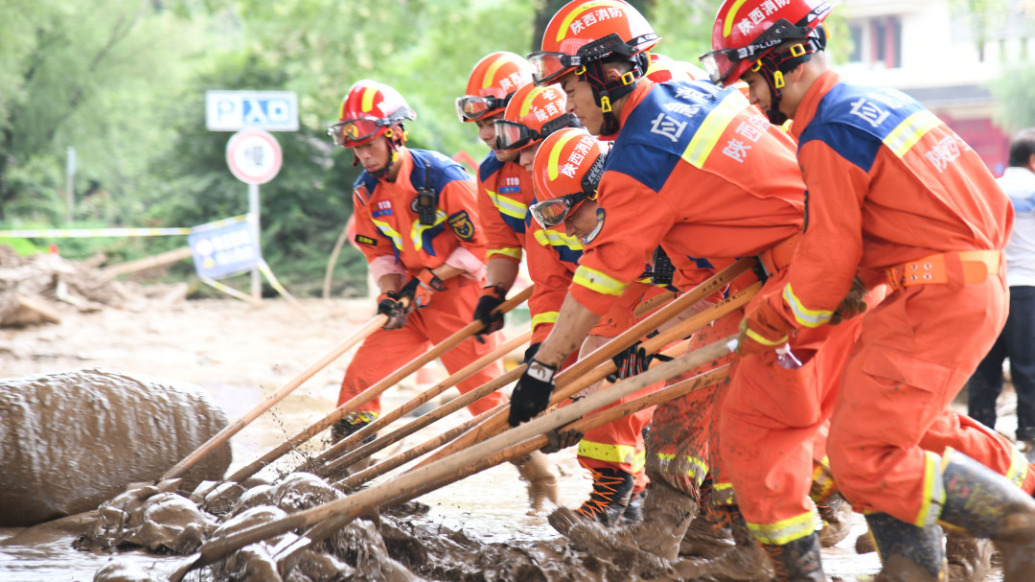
239 353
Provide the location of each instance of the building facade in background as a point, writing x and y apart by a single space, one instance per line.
943 55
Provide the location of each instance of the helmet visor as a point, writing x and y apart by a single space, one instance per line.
547 67
469 108
550 213
353 131
720 64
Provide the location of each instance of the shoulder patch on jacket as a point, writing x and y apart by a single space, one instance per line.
462 225
366 240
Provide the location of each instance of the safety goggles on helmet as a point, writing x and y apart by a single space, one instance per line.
550 213
470 108
553 212
547 66
511 135
721 64
353 131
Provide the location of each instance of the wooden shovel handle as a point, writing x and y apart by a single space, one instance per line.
233 428
581 374
374 391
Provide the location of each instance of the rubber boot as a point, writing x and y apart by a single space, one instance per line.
352 423
666 515
907 553
970 558
797 561
836 513
987 505
542 482
610 496
633 513
746 561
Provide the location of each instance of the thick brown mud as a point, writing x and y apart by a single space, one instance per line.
476 529
69 441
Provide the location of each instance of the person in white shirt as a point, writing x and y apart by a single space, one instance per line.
1017 340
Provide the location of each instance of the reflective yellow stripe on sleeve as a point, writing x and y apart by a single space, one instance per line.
712 128
763 340
805 316
512 252
598 282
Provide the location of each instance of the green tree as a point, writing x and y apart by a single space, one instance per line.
88 75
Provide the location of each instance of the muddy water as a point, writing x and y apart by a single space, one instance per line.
489 509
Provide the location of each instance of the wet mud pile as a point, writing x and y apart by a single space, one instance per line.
399 543
72 440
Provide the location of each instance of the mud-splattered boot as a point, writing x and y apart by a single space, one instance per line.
797 561
610 496
667 513
836 513
542 482
633 513
907 553
352 423
970 558
987 505
745 561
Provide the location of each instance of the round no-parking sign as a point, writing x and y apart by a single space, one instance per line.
254 156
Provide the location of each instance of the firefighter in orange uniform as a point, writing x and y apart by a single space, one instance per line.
417 224
613 453
694 168
894 196
504 193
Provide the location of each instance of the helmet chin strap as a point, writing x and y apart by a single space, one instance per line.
395 141
781 61
606 92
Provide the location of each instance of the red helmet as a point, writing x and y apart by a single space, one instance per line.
491 85
370 109
584 31
664 69
745 31
566 172
532 114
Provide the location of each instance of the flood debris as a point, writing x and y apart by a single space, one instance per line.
38 289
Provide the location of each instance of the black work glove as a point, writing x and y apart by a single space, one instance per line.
633 360
530 353
420 288
492 297
392 305
532 393
560 439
